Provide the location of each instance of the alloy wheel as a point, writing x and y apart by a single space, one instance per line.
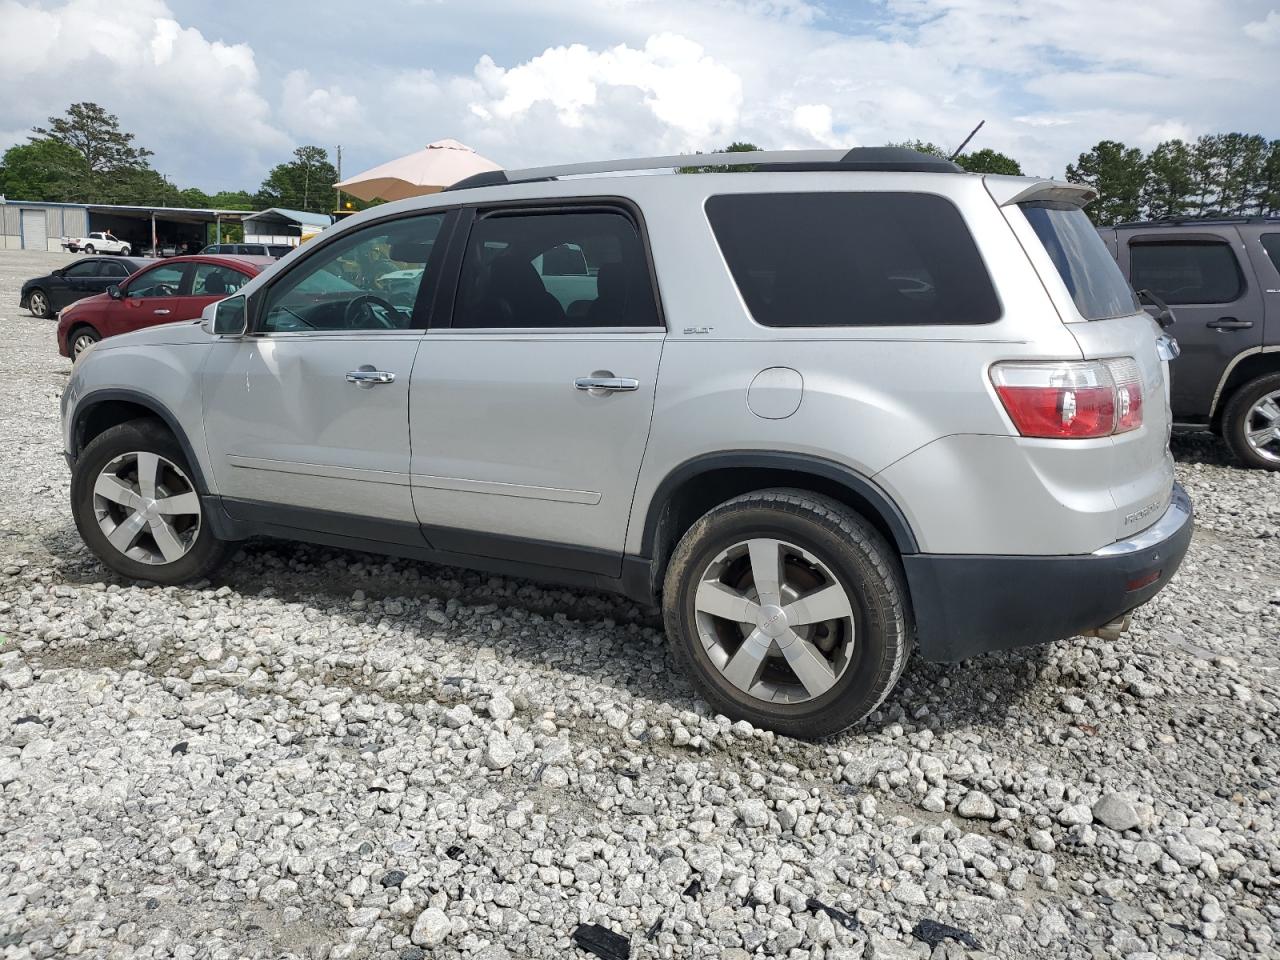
39 304
81 343
1262 426
775 621
147 508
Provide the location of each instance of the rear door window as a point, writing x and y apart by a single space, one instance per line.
215 280
1187 272
555 269
112 268
1271 244
1088 270
852 259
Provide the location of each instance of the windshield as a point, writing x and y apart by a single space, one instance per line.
1091 275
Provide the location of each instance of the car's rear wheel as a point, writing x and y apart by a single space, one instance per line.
1251 423
138 509
788 610
82 338
38 304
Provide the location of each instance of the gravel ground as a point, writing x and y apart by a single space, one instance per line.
328 754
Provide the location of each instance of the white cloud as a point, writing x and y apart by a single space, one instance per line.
687 91
314 110
1266 30
624 77
178 91
814 121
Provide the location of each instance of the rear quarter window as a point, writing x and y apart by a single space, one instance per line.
852 259
1087 268
1187 272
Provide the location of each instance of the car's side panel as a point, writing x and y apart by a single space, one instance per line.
1210 335
870 396
284 425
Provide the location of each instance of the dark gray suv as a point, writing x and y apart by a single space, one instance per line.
1222 279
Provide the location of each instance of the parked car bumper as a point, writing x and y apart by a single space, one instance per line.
967 605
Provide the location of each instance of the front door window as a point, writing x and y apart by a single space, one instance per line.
368 280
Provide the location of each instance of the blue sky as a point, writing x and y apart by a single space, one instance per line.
221 91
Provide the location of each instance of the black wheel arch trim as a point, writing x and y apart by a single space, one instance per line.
892 515
96 398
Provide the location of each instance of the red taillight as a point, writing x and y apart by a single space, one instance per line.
1073 400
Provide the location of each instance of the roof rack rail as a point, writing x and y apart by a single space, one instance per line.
1206 219
867 159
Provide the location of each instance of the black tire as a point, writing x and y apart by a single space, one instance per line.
88 248
1236 417
863 563
39 304
206 551
81 338
123 251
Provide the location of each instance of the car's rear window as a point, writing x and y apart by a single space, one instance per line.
1090 273
852 259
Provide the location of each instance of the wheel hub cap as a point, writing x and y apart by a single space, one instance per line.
1262 426
775 621
147 508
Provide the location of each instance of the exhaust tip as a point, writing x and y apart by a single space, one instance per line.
1112 629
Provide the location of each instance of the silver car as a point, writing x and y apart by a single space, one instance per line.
826 412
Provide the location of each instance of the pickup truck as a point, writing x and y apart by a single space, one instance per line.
97 243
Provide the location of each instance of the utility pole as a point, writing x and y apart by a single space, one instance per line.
337 189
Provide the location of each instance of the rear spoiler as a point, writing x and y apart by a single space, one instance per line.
1007 191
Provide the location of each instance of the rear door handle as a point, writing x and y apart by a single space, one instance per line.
162 313
1229 323
368 377
607 384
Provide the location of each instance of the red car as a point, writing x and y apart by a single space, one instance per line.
166 292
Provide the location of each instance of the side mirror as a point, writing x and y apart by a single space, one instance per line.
114 292
226 318
59 272
1157 308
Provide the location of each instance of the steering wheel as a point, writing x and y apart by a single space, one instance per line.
349 316
162 290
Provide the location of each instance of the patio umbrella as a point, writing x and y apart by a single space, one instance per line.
440 165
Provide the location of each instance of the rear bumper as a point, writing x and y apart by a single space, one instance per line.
967 605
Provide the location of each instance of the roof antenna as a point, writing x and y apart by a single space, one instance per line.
960 148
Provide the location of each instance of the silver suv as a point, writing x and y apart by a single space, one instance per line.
825 412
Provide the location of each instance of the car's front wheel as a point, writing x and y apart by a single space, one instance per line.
38 304
88 248
81 339
123 251
1251 423
788 610
137 508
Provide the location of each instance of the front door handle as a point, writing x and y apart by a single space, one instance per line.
162 313
368 377
607 384
1229 323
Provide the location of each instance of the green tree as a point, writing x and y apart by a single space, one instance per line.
106 151
42 170
987 160
304 183
922 146
1269 182
232 200
738 146
194 197
1118 174
1169 187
